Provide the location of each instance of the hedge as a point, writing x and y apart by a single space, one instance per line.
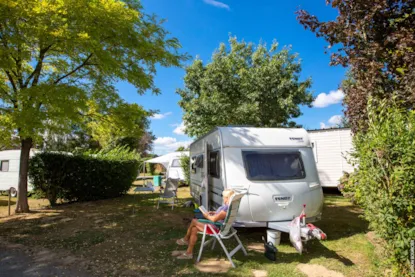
80 178
384 184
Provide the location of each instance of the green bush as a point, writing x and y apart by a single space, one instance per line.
385 181
185 164
347 186
81 178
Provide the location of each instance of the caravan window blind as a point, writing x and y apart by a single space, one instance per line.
270 166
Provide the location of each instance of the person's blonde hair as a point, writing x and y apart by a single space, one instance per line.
228 193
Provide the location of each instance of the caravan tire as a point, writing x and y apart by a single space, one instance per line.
13 192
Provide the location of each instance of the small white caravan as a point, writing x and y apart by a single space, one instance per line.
275 166
172 164
9 169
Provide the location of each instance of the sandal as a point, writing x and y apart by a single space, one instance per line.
185 256
182 242
176 253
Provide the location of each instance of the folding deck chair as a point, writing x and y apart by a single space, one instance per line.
220 231
168 195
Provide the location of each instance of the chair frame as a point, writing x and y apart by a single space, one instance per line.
163 199
226 231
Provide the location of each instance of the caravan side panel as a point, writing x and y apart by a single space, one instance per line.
10 178
331 148
197 188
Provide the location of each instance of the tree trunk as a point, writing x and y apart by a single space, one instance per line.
22 204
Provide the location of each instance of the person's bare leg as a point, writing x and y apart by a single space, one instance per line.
189 230
193 236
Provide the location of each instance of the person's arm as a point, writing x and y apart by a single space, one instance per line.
215 217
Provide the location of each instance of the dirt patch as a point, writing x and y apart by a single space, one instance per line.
313 270
377 242
214 266
256 247
18 260
259 273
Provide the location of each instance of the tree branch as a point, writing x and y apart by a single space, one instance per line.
74 70
38 69
4 110
5 93
11 80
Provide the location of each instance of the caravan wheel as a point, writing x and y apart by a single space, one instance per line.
13 192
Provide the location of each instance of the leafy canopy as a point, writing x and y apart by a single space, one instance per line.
376 40
56 57
245 85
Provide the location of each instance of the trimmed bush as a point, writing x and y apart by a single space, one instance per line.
81 178
384 185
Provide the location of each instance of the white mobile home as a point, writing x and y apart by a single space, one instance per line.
275 166
331 150
9 169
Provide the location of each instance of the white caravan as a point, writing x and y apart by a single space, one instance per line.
171 162
9 169
275 166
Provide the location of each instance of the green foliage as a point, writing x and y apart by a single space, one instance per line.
185 164
385 181
181 148
120 153
60 61
375 40
246 85
347 186
150 168
84 177
116 123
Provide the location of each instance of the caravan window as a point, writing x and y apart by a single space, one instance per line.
175 163
214 169
4 166
265 165
193 164
199 161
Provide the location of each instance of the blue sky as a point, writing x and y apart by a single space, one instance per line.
200 25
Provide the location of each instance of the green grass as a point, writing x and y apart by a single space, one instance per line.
128 236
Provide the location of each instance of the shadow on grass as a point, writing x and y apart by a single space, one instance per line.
312 249
6 202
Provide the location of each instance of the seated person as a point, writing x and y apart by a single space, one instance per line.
196 226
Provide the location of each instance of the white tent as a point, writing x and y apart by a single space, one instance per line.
169 161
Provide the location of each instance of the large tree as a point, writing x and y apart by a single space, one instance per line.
245 85
122 125
376 39
58 56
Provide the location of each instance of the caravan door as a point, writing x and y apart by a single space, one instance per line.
206 183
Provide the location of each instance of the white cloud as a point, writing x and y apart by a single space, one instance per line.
180 129
324 100
164 141
333 122
164 145
160 116
217 4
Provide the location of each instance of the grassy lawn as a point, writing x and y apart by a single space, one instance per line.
128 236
